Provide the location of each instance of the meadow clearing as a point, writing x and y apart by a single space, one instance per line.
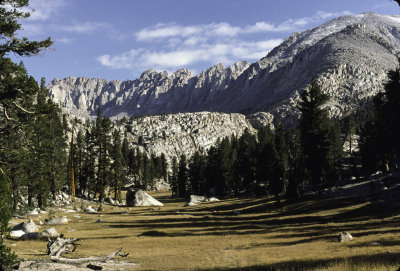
236 234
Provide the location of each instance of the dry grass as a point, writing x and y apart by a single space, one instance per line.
301 236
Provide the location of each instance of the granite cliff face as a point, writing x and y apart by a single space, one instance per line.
349 56
184 133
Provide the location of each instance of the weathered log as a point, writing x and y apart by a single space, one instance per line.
89 259
58 246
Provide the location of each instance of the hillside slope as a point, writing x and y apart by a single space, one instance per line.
349 56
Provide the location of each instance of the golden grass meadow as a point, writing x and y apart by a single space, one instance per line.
236 234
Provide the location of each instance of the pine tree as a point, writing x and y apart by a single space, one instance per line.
296 173
173 179
17 91
386 122
182 177
196 174
314 132
103 138
118 174
247 162
7 258
48 148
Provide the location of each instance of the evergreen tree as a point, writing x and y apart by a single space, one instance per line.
296 171
247 162
196 174
164 167
385 124
17 91
48 148
336 154
173 179
88 180
314 133
117 169
7 258
182 177
103 138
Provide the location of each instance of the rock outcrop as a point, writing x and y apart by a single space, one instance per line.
345 237
139 198
182 133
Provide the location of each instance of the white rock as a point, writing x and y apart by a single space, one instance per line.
141 198
90 210
345 237
17 233
26 227
50 233
34 213
58 221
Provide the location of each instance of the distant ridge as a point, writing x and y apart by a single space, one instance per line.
349 56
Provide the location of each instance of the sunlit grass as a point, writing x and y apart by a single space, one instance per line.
210 236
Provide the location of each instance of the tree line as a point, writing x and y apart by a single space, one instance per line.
103 158
275 162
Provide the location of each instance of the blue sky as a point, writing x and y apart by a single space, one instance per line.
120 39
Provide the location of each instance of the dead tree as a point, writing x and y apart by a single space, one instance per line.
60 245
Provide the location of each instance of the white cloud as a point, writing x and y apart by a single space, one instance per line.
42 10
162 31
63 40
191 46
226 53
86 27
123 61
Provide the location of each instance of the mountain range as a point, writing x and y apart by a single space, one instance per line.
348 56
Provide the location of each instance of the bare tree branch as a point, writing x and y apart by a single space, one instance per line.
23 109
7 117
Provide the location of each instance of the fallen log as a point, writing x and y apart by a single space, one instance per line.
60 245
89 259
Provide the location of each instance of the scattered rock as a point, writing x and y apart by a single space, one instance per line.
71 211
26 227
34 212
57 221
345 237
16 234
197 199
50 233
90 210
194 200
99 221
140 198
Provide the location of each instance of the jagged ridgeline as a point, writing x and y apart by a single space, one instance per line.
349 57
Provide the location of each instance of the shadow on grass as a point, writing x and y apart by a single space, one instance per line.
301 221
385 260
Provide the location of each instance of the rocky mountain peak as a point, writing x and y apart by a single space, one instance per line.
349 57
